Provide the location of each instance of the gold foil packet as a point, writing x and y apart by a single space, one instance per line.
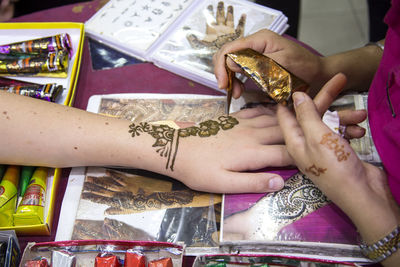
271 77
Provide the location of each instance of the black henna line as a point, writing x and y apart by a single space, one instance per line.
165 135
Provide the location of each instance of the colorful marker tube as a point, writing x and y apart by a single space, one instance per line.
49 92
8 195
26 175
53 64
39 46
31 209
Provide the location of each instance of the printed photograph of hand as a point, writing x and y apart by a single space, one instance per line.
220 29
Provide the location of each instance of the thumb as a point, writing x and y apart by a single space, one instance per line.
248 182
306 112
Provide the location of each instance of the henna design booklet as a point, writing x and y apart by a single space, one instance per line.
130 204
180 36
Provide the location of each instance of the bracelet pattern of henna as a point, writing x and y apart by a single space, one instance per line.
333 144
298 198
167 138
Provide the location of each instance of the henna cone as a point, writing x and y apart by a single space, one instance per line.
271 77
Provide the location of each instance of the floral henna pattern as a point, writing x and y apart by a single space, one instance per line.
167 138
315 170
332 142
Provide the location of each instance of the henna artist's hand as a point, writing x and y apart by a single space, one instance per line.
219 29
294 57
358 188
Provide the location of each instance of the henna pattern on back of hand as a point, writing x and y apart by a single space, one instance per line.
167 138
332 142
317 171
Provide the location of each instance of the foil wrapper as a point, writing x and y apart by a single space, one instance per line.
106 260
163 262
59 42
271 77
134 258
52 64
49 92
38 262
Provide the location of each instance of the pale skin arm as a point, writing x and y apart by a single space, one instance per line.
358 188
39 133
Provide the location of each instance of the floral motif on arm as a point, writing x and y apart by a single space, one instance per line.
167 138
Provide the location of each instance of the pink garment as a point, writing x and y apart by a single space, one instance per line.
385 128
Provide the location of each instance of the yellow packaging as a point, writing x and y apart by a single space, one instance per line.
8 195
31 209
33 30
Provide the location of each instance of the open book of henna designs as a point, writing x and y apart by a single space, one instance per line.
180 36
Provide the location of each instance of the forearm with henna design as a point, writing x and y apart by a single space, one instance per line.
167 138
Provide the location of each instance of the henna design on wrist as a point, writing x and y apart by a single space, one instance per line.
167 138
317 171
332 142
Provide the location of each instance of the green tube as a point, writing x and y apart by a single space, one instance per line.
26 174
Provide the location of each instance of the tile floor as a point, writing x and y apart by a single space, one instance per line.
333 26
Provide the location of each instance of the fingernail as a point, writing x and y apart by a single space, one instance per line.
275 183
298 98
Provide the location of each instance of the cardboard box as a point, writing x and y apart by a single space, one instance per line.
14 32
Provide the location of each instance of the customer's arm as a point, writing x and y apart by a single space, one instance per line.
214 157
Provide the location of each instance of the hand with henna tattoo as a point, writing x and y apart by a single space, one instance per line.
358 188
219 29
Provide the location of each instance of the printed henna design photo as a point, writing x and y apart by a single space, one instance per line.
219 30
122 196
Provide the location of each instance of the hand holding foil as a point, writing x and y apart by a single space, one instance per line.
295 58
272 78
